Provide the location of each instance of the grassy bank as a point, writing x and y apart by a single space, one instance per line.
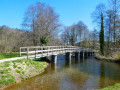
19 70
9 55
115 57
115 87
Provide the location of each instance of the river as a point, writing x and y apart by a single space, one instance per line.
73 74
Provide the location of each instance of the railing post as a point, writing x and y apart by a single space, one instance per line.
48 51
27 52
52 50
42 51
20 52
35 52
59 49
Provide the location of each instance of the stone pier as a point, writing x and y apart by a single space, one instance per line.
68 56
54 58
77 55
81 54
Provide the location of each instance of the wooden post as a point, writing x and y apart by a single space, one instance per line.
42 51
52 50
35 52
48 51
20 52
27 52
59 49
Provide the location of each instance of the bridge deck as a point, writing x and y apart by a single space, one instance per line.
44 51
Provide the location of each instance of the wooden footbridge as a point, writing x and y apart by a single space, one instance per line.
45 51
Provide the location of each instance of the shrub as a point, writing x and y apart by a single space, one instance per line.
44 41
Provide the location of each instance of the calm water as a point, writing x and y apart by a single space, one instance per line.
73 75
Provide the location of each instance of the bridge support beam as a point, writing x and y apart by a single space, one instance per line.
54 58
68 56
77 55
81 54
85 54
88 53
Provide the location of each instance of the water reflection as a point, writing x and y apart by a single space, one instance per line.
102 75
81 74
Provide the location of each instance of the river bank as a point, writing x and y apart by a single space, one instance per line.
115 87
12 72
113 58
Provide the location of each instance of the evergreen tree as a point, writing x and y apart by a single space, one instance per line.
102 42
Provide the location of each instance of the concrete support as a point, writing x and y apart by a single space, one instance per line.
54 58
88 53
68 56
91 53
85 54
77 55
81 54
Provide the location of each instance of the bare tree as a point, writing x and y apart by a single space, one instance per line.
80 29
115 7
109 26
12 39
76 34
42 21
96 15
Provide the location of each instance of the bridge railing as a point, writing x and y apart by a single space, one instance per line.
34 50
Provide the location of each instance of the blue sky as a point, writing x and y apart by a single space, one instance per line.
69 11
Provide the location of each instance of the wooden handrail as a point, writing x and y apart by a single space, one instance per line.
49 49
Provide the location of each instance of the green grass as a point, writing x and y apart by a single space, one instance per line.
18 71
5 64
9 55
115 87
14 66
22 78
7 68
7 79
5 71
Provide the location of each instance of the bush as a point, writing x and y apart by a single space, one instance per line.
44 41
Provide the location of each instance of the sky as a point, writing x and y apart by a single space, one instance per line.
70 11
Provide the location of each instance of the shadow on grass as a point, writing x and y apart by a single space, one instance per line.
44 59
10 55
